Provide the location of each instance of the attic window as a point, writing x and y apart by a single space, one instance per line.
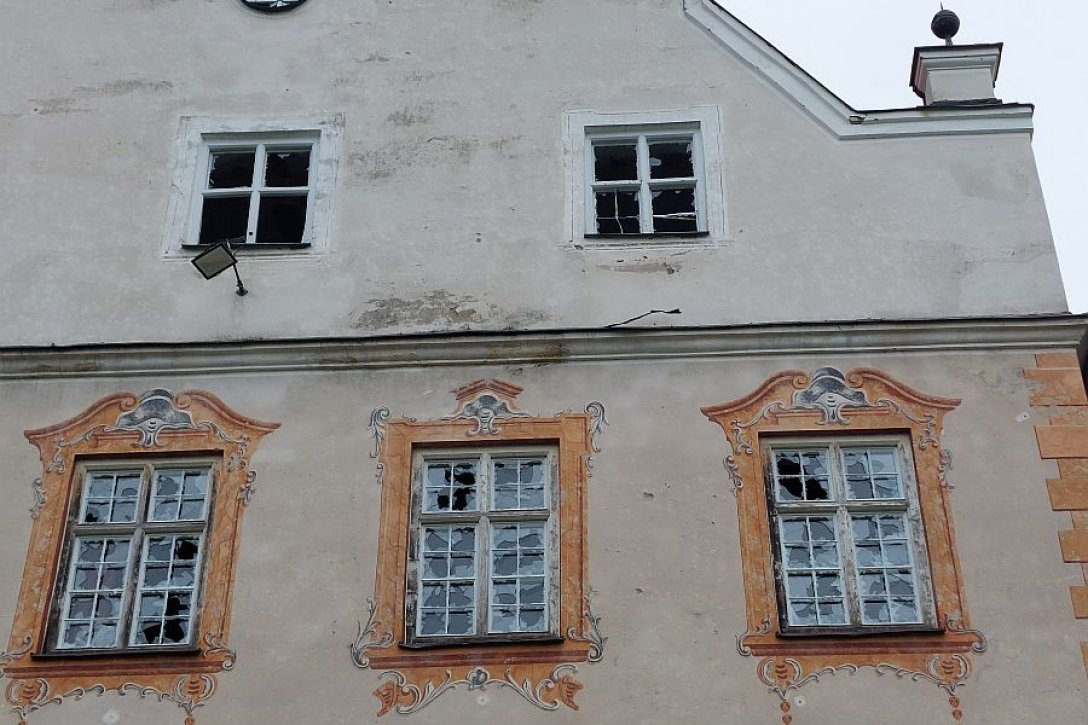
648 183
256 193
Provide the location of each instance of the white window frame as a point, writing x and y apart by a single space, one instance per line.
199 136
483 518
581 128
840 510
138 532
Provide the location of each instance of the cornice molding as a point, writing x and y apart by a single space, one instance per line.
835 115
1028 334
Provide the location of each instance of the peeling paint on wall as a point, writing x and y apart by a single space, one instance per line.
440 308
67 104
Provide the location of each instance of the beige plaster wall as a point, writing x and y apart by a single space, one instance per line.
663 547
448 211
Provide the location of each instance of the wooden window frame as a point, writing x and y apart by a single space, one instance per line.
261 144
486 419
840 509
642 137
862 402
126 431
482 518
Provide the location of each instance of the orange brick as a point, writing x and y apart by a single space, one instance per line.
1074 545
1068 494
1056 387
1080 601
1062 441
1057 360
1067 414
1080 519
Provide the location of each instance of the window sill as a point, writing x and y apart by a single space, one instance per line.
669 235
245 248
482 642
858 632
88 654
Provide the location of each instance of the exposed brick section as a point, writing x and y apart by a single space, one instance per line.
1057 395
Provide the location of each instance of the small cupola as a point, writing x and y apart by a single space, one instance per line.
955 75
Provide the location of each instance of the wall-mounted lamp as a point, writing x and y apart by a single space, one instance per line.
216 260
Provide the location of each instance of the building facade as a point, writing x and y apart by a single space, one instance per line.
598 365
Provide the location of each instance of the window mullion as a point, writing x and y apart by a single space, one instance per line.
645 205
259 162
134 566
483 575
846 539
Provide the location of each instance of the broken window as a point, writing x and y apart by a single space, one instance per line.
134 556
645 183
484 549
256 193
849 545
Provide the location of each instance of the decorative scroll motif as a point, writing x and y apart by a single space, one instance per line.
558 688
597 421
378 416
944 467
155 413
57 464
189 693
364 640
215 645
740 441
764 628
28 696
981 644
736 481
829 393
39 497
593 636
785 675
928 436
15 654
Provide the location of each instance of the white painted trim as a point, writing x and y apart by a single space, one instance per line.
829 111
190 164
1014 334
579 125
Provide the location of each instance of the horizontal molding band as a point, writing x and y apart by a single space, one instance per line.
1029 334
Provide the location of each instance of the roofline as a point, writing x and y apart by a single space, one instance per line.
835 115
847 339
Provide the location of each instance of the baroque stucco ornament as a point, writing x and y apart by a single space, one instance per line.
541 673
122 426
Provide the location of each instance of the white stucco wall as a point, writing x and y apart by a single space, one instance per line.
448 211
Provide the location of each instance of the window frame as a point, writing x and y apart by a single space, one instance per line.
482 517
123 431
580 128
645 184
841 509
259 143
139 531
198 135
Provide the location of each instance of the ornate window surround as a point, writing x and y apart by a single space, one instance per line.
542 673
862 402
126 427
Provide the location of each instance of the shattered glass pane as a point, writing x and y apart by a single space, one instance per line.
281 219
803 613
875 612
615 162
674 210
671 160
800 586
433 622
231 169
224 218
617 212
287 168
460 622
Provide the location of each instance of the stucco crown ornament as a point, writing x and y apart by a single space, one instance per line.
156 412
272 6
829 393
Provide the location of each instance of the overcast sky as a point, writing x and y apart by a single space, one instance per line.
862 50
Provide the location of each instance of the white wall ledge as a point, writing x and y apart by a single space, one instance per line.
834 114
1023 334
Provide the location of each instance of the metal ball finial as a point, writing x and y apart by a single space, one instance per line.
945 25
